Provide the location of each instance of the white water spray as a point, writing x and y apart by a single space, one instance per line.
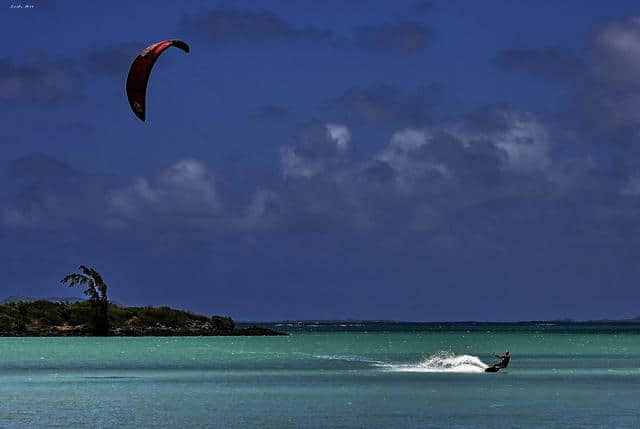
444 362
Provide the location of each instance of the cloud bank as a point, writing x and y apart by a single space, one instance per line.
39 79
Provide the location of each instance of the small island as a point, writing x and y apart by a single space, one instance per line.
45 318
97 316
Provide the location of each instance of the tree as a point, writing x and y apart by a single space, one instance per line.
223 324
96 290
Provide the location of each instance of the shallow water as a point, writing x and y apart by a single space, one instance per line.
330 375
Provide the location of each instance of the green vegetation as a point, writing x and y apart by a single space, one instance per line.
98 316
96 290
77 318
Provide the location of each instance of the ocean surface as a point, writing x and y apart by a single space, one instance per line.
330 375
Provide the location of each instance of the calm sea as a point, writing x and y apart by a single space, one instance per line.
330 375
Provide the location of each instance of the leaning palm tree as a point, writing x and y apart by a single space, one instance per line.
96 290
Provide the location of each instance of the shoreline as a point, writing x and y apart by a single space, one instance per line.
254 331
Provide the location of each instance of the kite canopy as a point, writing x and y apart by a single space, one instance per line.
140 71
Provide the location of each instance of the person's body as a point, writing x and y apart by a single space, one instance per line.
504 362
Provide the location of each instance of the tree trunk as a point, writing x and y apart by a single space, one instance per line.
101 314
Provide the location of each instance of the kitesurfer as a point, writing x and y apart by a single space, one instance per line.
504 362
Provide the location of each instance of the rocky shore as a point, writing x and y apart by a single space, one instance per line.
158 330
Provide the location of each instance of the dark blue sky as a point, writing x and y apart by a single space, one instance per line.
419 160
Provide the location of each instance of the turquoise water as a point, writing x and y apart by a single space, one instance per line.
341 375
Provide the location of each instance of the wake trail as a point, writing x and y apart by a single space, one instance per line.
439 362
443 362
351 359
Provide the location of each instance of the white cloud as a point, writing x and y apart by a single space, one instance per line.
184 189
38 79
317 154
403 154
527 145
409 139
421 175
340 135
616 51
294 165
524 139
262 212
